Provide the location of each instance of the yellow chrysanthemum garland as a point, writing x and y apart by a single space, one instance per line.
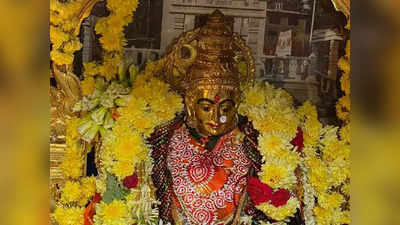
112 40
343 104
64 20
326 169
124 148
112 37
273 115
77 190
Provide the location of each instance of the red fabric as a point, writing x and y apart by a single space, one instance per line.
131 181
258 191
298 140
280 197
90 210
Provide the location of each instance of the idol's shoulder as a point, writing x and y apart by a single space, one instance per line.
163 132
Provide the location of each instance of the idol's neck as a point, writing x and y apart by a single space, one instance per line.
207 141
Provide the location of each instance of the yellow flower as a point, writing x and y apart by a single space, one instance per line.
71 192
345 83
281 212
123 169
112 41
322 216
344 65
88 85
88 188
72 45
72 164
330 201
69 216
270 144
90 69
254 97
115 212
348 49
129 148
57 36
273 175
345 133
343 217
318 174
109 68
61 58
72 130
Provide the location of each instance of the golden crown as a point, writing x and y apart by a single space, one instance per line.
208 56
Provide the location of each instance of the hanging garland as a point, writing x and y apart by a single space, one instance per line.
64 20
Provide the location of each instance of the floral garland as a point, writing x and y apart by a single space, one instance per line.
327 160
343 105
77 191
291 139
112 39
63 22
273 115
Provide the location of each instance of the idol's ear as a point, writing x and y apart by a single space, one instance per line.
187 55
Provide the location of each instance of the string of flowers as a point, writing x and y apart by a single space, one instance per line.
112 38
64 20
273 115
124 151
77 190
343 104
327 159
321 155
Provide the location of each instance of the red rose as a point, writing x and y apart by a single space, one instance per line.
280 197
131 181
258 191
298 140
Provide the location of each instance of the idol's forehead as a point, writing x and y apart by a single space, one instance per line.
215 94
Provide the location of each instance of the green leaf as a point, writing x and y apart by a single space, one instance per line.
91 133
114 191
109 121
85 124
98 115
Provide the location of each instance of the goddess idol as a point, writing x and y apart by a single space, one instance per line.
204 159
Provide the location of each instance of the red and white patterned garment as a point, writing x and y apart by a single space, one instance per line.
207 184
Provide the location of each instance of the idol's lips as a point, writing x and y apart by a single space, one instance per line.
214 125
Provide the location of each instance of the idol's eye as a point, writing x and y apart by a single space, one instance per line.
206 108
225 110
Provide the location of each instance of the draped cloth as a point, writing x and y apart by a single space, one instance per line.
208 178
207 184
